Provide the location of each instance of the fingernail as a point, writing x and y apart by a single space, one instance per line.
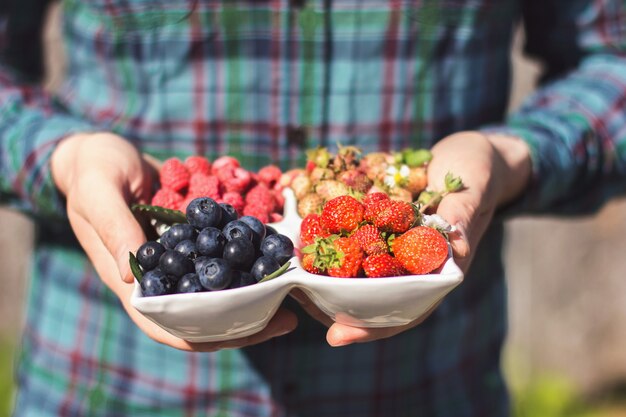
339 343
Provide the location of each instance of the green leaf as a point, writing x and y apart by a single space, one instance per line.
161 213
134 266
276 273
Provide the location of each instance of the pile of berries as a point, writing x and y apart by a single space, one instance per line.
251 194
373 237
401 175
215 250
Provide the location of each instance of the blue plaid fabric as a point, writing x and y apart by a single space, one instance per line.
183 77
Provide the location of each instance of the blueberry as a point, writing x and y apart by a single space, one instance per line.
187 248
199 260
228 214
177 233
157 282
210 242
258 229
269 230
215 274
189 283
242 279
263 266
204 212
237 229
175 263
278 246
239 253
148 255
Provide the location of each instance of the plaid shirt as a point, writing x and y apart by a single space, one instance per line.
264 80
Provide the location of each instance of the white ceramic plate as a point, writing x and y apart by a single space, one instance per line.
362 302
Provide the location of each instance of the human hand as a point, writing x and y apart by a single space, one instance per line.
101 175
494 171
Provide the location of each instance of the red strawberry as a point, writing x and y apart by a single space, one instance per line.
198 165
391 216
370 239
167 198
335 256
371 198
348 260
308 263
343 213
310 228
202 185
174 175
421 250
382 265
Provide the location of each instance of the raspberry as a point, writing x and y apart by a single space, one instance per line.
235 179
198 165
275 217
188 199
269 175
224 162
174 175
279 199
257 211
260 195
167 198
201 185
235 200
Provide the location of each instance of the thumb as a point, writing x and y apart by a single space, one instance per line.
463 209
116 226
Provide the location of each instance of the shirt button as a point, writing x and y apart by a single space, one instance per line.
296 136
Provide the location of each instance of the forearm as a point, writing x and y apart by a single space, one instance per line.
575 133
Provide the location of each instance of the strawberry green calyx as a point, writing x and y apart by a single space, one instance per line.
324 252
452 183
336 256
428 199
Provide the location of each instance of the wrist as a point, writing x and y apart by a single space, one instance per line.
65 157
515 165
61 160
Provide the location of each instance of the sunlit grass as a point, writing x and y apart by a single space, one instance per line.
7 351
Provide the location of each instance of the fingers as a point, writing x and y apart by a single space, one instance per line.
102 205
467 212
343 335
283 322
